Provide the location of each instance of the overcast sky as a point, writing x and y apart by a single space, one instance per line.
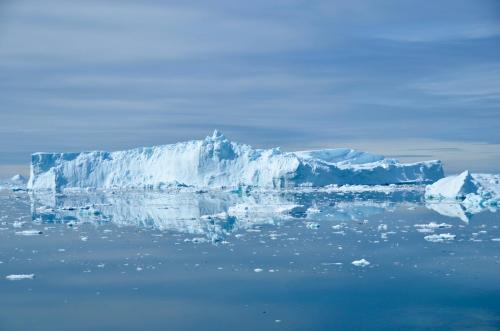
414 79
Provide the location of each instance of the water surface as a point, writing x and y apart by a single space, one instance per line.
246 260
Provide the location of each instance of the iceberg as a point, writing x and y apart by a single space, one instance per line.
452 187
217 162
18 179
465 187
464 194
15 183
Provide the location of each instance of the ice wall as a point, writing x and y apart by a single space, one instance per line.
215 162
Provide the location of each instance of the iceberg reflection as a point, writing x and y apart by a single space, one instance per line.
216 214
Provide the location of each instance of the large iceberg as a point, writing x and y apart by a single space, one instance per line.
217 162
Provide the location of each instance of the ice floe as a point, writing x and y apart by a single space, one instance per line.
440 238
20 277
29 233
431 227
360 263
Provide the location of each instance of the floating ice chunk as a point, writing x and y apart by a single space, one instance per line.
312 225
29 233
20 277
258 270
18 224
433 226
439 238
331 263
382 227
215 162
360 263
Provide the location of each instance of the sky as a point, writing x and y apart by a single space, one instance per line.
411 79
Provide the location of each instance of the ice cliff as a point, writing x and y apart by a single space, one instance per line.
216 162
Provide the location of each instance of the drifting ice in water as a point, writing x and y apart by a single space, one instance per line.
215 162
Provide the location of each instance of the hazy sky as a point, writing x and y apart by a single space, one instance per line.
415 79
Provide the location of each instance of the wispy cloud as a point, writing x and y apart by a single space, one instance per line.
473 83
99 31
113 74
443 32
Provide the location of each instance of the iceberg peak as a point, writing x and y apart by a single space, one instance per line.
452 187
217 135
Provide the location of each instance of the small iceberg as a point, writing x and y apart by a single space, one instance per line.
464 194
18 179
15 183
452 187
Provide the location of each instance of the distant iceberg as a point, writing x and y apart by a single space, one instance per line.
218 162
15 183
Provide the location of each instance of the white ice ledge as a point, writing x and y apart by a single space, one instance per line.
216 162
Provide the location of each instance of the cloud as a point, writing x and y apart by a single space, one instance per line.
473 83
443 32
101 31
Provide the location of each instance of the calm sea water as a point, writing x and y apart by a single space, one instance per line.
244 261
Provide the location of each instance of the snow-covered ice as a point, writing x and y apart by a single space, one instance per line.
20 277
432 226
440 238
464 186
215 161
361 263
312 225
452 187
471 194
29 233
